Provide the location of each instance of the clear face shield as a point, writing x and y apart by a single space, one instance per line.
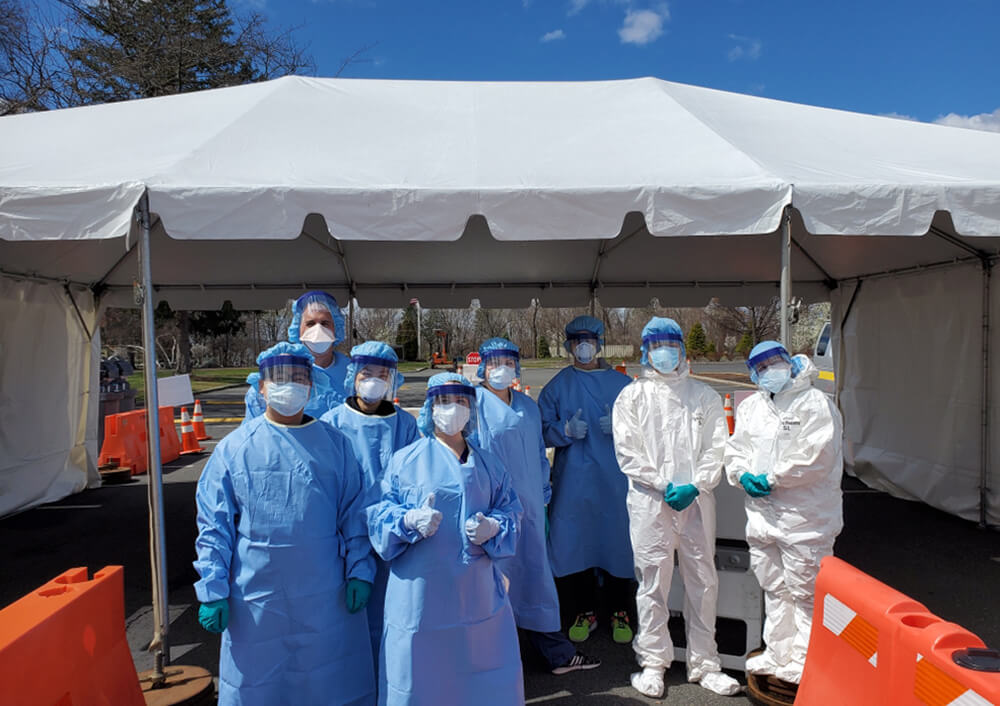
453 408
584 346
664 352
286 383
501 368
771 369
375 379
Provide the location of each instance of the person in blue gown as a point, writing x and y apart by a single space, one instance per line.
589 544
510 426
283 555
376 428
318 324
447 515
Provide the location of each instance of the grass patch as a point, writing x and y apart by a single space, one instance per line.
201 379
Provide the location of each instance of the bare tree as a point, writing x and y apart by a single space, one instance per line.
759 322
30 63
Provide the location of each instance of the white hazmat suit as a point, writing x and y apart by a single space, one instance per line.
795 438
670 428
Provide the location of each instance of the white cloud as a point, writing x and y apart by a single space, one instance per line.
643 26
576 5
746 48
553 35
983 121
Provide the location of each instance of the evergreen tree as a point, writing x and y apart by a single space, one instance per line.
406 333
126 49
745 345
543 347
696 344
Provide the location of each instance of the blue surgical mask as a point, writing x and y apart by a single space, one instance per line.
500 378
287 398
665 359
775 378
585 352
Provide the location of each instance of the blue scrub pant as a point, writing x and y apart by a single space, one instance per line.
554 647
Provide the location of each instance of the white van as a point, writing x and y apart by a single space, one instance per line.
823 360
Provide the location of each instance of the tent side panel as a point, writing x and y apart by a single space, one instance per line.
911 385
48 394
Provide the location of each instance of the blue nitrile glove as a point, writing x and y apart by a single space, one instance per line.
358 593
751 484
214 616
576 428
762 485
680 496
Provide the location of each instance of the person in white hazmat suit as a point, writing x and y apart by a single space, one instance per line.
787 454
670 433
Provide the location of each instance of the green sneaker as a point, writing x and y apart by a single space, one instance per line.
621 631
584 624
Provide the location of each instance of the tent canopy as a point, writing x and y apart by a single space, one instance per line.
501 191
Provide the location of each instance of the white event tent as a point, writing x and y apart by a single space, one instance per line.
620 190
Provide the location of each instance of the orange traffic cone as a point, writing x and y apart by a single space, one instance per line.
730 417
527 390
198 422
395 400
517 384
621 368
189 444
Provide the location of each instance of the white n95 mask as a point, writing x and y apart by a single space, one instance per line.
449 419
372 389
287 398
585 352
318 338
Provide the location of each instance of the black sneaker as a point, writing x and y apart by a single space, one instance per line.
578 661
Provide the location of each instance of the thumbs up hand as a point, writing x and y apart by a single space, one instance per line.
576 428
606 420
424 519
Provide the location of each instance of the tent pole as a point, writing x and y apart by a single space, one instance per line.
350 321
786 272
984 462
159 646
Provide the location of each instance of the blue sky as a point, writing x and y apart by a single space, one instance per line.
915 58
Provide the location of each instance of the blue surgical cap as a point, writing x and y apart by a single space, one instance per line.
581 326
320 299
498 347
661 328
371 353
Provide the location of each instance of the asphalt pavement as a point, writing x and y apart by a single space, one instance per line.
946 563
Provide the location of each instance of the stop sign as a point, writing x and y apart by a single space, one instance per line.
472 358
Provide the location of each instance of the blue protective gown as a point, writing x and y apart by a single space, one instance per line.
328 390
514 434
588 518
375 439
449 635
281 527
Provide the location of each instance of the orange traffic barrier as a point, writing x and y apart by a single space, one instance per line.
730 417
64 643
871 644
125 440
198 422
189 444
